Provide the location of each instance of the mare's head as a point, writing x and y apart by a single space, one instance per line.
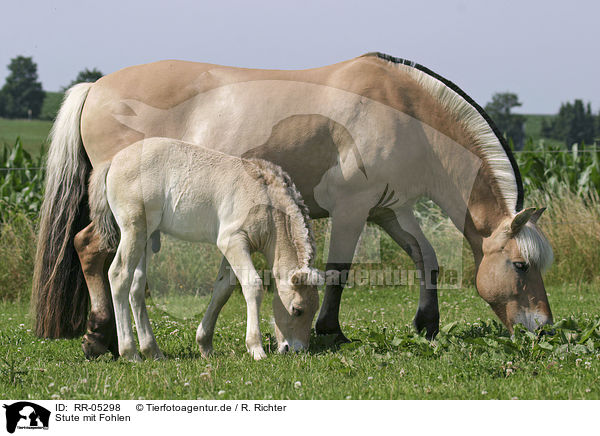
509 276
294 306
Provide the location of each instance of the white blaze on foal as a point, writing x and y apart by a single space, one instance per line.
196 194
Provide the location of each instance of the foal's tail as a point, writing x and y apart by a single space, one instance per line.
100 213
60 296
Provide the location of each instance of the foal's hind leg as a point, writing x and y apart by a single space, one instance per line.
120 274
137 299
406 232
101 334
224 286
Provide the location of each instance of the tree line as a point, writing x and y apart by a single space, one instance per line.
22 95
574 124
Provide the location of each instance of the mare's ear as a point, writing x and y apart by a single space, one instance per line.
537 214
520 220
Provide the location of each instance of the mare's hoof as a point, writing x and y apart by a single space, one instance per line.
206 351
431 325
334 331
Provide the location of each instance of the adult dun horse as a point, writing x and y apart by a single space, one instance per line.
361 139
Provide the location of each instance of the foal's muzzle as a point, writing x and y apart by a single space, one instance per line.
292 345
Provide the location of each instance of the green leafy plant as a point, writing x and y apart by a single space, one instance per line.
549 168
21 181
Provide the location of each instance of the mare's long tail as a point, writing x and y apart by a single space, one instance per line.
59 294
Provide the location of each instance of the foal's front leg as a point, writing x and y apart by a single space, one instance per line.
223 287
241 263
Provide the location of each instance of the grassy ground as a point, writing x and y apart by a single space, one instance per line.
33 133
386 360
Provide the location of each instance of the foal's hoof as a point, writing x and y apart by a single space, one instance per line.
153 353
258 353
431 325
132 357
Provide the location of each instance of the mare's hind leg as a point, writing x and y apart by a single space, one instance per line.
137 299
120 274
406 232
224 286
101 335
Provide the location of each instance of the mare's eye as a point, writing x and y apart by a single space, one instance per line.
521 266
296 311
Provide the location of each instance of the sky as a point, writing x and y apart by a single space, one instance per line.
546 52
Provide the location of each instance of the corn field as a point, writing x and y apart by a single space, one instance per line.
546 169
21 182
552 168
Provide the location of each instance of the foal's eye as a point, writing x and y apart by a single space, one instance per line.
521 266
296 311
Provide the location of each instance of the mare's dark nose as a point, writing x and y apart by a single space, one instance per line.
547 329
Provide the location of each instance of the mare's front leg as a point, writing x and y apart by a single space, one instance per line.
101 334
120 275
223 287
346 227
404 229
238 256
137 299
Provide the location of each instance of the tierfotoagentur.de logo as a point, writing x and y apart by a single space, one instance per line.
26 415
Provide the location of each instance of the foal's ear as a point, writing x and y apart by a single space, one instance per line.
307 276
520 220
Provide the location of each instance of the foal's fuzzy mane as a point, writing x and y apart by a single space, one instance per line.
488 141
282 190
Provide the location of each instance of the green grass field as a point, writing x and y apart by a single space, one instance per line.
33 133
386 360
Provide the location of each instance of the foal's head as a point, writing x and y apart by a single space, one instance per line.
294 306
509 276
290 249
